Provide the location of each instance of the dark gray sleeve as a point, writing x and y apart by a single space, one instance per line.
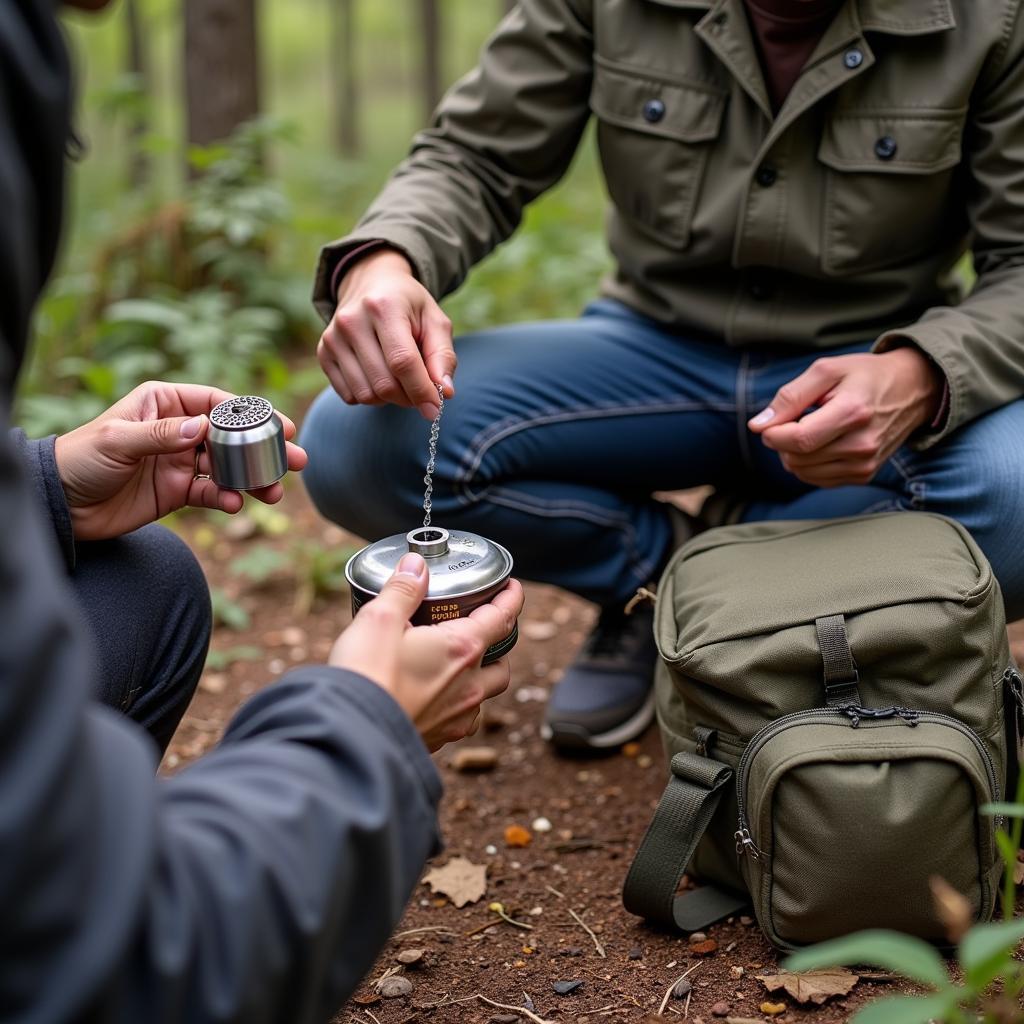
40 462
255 886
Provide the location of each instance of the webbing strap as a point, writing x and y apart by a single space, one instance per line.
686 808
841 677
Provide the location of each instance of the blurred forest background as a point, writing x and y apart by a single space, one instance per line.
220 143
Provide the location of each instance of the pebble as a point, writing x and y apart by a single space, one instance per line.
537 629
720 1010
682 988
491 850
410 956
746 921
570 951
474 759
541 825
698 937
643 761
503 1018
736 973
395 987
536 911
636 953
214 682
565 988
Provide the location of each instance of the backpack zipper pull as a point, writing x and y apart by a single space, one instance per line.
744 844
855 714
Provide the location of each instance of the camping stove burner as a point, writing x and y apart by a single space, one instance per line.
239 413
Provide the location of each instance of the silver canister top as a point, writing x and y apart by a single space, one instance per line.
241 413
460 564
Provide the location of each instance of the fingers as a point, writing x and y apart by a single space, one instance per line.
206 494
348 377
402 357
135 440
438 349
498 618
814 432
792 399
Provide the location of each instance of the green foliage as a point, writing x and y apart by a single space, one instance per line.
985 954
260 562
217 661
228 612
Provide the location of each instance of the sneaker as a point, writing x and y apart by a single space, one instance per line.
606 696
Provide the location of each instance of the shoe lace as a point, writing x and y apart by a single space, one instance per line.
614 631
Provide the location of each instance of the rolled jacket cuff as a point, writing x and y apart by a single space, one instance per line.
337 257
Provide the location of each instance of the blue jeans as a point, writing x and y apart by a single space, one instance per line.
561 431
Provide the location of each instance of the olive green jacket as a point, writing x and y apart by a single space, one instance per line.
839 219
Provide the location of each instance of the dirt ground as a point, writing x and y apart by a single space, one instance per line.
597 810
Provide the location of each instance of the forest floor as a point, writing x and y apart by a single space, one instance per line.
565 884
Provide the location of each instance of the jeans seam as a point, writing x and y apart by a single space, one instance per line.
914 484
496 432
504 496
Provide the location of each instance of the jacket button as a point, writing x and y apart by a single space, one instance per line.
654 111
885 147
853 58
766 176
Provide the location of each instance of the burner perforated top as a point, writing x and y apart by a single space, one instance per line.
241 413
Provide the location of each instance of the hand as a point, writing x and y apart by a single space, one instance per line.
389 341
136 462
433 672
867 405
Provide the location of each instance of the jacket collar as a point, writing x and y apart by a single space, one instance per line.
897 17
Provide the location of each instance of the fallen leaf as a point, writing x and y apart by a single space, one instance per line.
460 880
366 999
772 1009
516 836
811 986
1018 873
743 1020
537 630
705 948
474 759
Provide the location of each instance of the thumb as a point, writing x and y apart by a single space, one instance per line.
439 352
403 593
793 399
136 440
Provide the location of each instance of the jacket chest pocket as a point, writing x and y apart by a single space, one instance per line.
888 181
654 135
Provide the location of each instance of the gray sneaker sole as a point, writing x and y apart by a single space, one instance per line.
565 736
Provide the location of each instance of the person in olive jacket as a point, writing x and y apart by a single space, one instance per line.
258 884
793 184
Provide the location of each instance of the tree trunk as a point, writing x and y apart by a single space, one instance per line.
222 81
344 75
138 167
430 26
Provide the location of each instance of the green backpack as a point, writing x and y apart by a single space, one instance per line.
838 702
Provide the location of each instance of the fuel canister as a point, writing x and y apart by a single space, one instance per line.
246 444
466 571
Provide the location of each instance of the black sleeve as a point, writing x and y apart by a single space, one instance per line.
40 463
258 885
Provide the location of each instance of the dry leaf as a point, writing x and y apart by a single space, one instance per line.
1018 873
772 1009
517 836
460 880
705 948
952 908
811 986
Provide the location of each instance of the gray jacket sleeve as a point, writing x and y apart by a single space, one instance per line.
40 463
256 886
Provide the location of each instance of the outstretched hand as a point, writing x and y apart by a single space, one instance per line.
843 417
136 462
433 672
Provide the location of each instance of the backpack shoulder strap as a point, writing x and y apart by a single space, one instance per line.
686 808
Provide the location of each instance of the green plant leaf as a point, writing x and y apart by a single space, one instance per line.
907 956
227 611
906 1009
987 949
1004 809
164 314
259 563
217 660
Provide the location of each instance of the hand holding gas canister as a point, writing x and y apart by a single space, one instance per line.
137 461
433 672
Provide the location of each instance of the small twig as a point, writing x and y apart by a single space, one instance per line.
668 991
480 928
420 931
578 845
552 889
521 1010
371 1016
686 1008
600 949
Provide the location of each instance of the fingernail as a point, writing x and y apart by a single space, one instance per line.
763 417
411 565
191 427
449 384
428 410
